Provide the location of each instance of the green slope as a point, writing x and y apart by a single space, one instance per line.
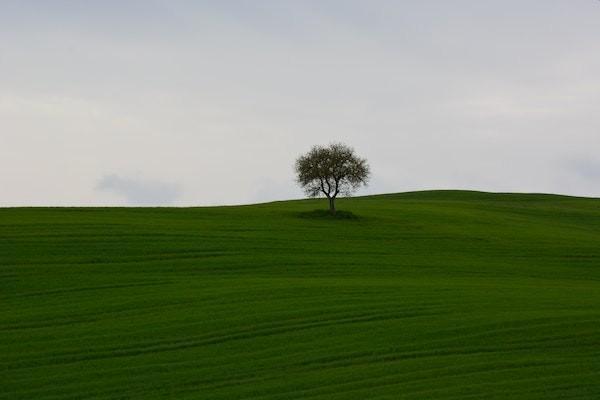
430 295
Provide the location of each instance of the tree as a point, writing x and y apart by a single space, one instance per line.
330 171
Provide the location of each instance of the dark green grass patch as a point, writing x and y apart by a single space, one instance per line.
327 215
433 295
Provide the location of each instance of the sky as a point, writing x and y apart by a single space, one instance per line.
183 103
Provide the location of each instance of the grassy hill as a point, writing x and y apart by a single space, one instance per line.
427 295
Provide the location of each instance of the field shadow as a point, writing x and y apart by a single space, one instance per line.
326 215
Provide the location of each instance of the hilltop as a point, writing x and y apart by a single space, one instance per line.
437 295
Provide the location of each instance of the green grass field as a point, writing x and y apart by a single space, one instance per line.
429 295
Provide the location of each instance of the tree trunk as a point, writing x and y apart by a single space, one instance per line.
332 205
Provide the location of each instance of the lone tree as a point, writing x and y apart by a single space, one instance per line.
331 170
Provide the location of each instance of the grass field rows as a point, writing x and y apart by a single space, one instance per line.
426 295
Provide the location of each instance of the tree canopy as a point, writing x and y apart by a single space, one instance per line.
330 171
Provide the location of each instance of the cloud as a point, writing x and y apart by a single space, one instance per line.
586 168
272 190
221 97
141 192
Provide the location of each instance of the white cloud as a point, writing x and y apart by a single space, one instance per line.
140 192
221 97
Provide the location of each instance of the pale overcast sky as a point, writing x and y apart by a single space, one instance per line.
167 102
